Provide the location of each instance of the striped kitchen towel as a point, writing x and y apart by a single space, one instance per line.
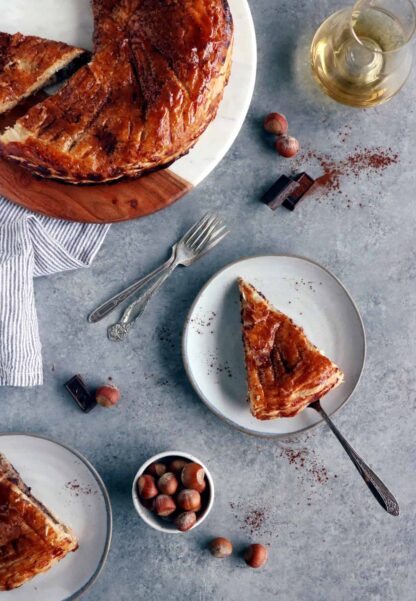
31 246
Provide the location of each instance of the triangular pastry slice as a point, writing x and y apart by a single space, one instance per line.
31 538
29 63
285 371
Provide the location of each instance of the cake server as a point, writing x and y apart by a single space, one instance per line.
376 486
198 240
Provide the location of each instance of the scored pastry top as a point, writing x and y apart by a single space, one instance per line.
153 85
28 63
31 538
285 371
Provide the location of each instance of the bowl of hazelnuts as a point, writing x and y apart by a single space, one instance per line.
173 492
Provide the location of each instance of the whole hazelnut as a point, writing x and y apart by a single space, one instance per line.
287 146
189 499
177 465
221 547
193 476
256 556
168 484
107 396
157 469
276 123
185 521
164 505
147 487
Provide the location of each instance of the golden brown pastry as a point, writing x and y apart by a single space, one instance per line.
285 371
29 63
31 538
154 84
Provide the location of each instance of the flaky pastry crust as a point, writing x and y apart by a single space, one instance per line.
32 540
29 63
285 371
154 83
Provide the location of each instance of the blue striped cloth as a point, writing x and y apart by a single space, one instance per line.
32 246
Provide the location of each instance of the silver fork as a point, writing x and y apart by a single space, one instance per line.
106 308
197 241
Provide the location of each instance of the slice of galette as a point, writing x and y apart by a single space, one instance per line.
32 539
285 371
29 63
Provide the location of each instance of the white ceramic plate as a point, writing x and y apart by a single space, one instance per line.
71 488
310 295
70 21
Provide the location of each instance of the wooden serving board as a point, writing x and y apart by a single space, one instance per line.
105 203
98 203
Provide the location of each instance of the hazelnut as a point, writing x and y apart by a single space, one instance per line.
147 487
276 124
256 556
177 465
164 505
189 499
168 484
107 396
287 146
221 547
185 521
193 476
157 469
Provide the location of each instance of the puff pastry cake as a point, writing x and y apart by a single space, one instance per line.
153 85
29 63
31 538
285 371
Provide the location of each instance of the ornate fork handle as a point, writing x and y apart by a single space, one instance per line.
107 307
119 331
376 486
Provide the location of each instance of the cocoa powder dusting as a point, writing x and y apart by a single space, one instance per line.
305 459
76 489
201 322
367 160
252 519
361 161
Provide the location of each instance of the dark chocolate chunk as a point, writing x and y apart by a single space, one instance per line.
305 183
79 392
280 191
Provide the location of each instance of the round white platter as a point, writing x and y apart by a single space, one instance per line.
309 294
71 21
68 485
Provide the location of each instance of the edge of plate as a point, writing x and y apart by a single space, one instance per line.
203 173
198 390
107 501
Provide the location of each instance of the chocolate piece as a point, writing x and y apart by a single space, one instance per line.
280 191
79 392
305 183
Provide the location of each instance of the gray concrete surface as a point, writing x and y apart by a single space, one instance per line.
329 540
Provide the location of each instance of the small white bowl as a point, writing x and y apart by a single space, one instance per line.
159 523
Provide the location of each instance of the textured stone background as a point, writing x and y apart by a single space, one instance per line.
329 540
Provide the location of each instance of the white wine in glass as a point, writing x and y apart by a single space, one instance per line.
362 55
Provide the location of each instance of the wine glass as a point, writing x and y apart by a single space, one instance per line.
362 55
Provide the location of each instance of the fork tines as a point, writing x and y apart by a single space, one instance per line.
206 233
